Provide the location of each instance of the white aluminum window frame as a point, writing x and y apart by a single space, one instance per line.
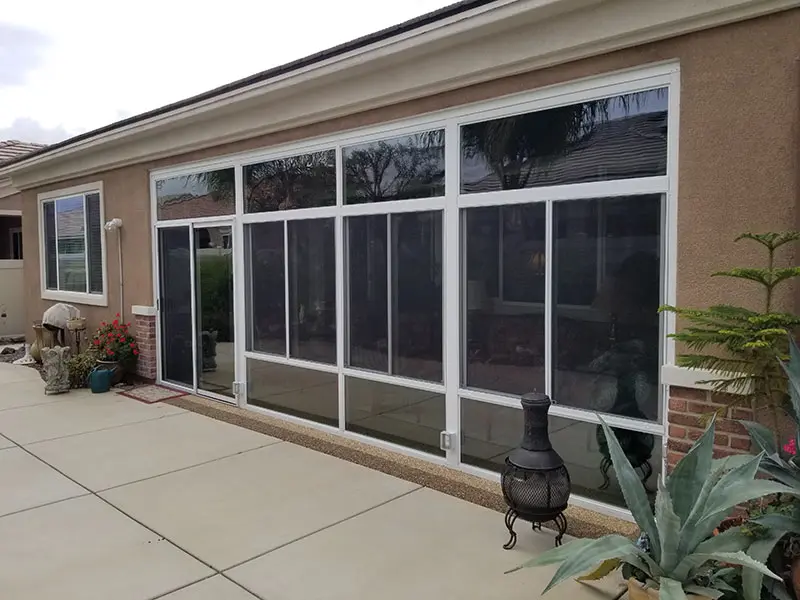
87 298
663 75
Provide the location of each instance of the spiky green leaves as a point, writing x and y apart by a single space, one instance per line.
689 505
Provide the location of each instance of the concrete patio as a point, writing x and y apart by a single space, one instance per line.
102 497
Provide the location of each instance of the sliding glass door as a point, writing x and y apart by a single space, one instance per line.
175 304
196 307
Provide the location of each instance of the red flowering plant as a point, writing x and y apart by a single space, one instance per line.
114 342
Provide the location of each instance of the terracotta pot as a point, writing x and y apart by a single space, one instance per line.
637 592
796 577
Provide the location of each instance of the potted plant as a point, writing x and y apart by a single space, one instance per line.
681 555
116 348
738 344
777 522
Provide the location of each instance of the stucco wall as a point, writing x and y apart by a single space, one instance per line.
126 195
737 169
12 202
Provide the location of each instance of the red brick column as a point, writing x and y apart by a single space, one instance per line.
687 407
144 328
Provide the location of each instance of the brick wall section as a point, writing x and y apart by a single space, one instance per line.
685 416
145 332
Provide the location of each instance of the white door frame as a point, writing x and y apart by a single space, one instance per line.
192 225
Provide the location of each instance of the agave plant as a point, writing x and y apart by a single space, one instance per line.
690 504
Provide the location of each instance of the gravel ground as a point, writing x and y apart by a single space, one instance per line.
9 358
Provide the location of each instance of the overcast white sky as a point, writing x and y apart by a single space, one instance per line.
68 67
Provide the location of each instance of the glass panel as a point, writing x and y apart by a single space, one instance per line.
214 304
395 169
490 432
208 194
612 138
51 254
265 293
367 301
396 414
71 230
312 290
304 181
94 235
505 252
176 305
305 393
417 295
606 293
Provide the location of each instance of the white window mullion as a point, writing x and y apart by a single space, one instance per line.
342 279
548 301
453 281
240 304
286 282
389 301
193 297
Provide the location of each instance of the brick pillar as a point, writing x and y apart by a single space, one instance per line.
687 407
144 328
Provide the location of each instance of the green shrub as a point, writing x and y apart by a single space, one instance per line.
79 368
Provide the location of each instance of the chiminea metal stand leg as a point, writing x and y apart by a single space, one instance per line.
511 517
561 523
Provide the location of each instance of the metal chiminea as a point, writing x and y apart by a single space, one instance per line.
535 482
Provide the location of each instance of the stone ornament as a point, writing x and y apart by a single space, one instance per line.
56 374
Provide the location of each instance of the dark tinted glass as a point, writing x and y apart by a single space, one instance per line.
417 295
265 291
304 181
208 194
49 218
304 393
396 414
94 234
396 169
490 432
613 138
176 305
312 290
606 293
504 298
367 294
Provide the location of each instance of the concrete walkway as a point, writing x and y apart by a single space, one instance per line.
105 497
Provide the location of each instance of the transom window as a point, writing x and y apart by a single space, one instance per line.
72 245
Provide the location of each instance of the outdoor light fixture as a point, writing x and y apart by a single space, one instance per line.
535 482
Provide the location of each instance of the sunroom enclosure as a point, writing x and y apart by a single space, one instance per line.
405 283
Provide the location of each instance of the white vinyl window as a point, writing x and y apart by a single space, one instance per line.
72 245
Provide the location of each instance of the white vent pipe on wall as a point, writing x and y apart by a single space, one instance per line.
116 225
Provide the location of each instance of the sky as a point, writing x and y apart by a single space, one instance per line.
69 67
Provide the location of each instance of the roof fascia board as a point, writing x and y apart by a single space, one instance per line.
521 48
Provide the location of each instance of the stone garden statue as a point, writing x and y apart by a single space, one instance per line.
56 374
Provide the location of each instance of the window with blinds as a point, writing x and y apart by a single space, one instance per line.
72 244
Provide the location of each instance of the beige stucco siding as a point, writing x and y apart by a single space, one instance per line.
126 196
738 154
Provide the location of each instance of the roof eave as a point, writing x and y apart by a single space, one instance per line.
429 59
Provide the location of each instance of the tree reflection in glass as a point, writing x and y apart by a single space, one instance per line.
610 138
303 181
397 169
